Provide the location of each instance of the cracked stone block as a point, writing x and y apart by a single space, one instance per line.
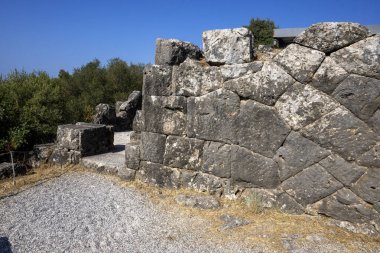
368 186
174 52
63 156
157 80
238 70
132 156
191 78
374 122
265 86
345 205
343 133
166 115
152 147
359 94
361 58
228 46
347 173
158 175
371 158
217 159
302 104
298 153
138 122
287 204
300 62
211 117
259 128
328 76
330 36
253 168
184 153
207 183
311 185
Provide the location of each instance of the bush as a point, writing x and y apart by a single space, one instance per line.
262 30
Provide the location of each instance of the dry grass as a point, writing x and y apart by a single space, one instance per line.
268 227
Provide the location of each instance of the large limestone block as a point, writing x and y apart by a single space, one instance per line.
253 168
300 62
228 46
237 70
330 36
374 122
371 158
346 173
259 128
184 153
165 115
88 139
361 58
328 76
217 159
311 185
368 187
343 133
211 117
132 156
264 86
152 147
174 52
296 154
191 78
157 80
302 104
158 175
361 95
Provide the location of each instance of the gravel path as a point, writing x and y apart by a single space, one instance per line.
86 212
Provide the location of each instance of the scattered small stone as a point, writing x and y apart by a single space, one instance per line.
202 202
233 221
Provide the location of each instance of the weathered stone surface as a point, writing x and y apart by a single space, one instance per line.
296 154
138 122
135 138
105 114
300 62
126 111
328 76
253 168
371 158
89 139
152 147
368 186
361 95
311 185
211 116
238 70
259 198
302 104
374 122
41 154
228 46
132 156
259 128
217 159
346 173
6 170
64 156
264 86
202 202
288 204
361 58
191 78
330 36
165 115
184 153
158 175
157 80
174 52
126 174
343 133
207 183
233 221
345 205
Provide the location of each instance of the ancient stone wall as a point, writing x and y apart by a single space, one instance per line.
302 129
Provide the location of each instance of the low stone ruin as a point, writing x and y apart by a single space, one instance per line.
301 129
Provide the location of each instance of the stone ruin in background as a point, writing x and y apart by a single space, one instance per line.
301 129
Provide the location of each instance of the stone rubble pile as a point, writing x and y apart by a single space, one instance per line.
302 128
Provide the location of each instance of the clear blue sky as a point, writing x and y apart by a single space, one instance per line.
52 35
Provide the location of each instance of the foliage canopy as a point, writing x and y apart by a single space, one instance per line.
262 30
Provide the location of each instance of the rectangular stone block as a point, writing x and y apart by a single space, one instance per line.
157 80
158 175
152 147
217 159
132 156
138 122
228 46
165 115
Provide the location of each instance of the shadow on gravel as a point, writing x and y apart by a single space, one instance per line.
119 148
5 245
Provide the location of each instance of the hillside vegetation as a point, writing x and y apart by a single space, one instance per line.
32 105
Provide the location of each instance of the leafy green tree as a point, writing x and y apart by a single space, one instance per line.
262 30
